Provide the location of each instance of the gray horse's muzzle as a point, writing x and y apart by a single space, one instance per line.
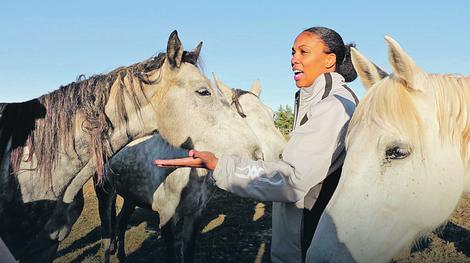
325 246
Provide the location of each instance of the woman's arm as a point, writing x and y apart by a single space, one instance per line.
312 149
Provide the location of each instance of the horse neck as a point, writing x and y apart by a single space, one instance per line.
131 116
130 111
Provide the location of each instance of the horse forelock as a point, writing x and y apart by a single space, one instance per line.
452 93
390 106
86 98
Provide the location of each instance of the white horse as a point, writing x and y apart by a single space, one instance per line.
407 161
50 146
182 195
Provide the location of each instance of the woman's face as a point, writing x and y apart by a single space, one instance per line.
309 59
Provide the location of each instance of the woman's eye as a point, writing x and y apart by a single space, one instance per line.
397 152
203 92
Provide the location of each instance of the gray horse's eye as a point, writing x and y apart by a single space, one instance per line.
203 92
395 152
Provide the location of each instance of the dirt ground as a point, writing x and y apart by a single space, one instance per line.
238 230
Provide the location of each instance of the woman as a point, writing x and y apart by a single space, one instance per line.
303 180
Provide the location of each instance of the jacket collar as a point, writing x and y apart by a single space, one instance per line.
315 92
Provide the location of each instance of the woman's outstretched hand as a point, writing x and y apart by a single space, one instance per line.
196 159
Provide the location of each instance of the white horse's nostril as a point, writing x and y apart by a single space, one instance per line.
258 155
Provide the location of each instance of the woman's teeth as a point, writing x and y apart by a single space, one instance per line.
298 74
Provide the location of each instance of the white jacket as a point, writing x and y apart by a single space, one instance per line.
314 151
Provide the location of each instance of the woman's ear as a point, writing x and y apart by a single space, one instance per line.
330 60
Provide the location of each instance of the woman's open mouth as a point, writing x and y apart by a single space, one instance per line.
298 74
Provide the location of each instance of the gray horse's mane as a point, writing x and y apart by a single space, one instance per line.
84 96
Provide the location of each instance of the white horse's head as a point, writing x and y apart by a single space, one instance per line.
186 109
258 116
407 156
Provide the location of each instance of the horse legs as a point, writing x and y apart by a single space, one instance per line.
180 237
127 209
181 232
190 232
107 212
169 237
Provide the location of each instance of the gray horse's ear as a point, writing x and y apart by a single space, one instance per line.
256 88
174 50
368 72
227 91
192 56
404 67
197 50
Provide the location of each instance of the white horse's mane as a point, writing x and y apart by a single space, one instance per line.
452 93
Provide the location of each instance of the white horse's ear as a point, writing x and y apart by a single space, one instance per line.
256 88
368 72
224 88
402 64
174 50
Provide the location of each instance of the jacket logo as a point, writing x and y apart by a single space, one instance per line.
255 173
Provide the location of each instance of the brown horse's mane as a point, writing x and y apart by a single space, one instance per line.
43 124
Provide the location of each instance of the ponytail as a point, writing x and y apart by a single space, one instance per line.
345 67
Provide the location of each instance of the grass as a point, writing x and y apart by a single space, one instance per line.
237 230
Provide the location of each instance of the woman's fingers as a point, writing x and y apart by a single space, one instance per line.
196 159
181 162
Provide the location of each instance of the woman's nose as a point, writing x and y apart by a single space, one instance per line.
294 60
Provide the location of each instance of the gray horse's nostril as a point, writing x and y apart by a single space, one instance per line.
258 155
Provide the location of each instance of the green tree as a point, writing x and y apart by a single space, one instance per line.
284 118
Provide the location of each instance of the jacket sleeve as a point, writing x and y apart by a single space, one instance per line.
308 155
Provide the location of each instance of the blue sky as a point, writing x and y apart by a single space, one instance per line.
45 44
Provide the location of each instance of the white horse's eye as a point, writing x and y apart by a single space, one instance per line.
203 92
397 152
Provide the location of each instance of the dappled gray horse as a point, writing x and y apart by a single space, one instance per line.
52 145
180 198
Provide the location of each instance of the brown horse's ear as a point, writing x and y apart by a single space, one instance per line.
404 67
368 72
256 88
197 50
174 50
192 56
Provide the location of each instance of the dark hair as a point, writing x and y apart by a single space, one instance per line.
335 45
